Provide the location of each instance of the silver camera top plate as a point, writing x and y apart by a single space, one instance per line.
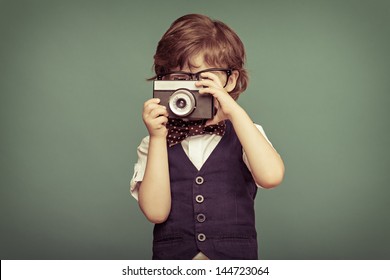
173 85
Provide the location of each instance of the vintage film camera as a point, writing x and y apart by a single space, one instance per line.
183 100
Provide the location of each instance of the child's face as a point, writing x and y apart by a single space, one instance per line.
198 64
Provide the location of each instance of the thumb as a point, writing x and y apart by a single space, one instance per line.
217 118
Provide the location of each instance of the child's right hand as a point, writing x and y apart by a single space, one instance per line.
155 117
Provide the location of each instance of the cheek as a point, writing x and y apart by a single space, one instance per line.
221 79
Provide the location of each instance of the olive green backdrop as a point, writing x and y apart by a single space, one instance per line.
72 85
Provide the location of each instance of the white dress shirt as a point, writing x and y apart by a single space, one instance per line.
198 148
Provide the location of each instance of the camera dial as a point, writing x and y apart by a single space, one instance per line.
182 102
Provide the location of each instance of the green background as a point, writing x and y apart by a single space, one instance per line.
72 85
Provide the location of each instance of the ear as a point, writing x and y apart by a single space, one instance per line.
232 81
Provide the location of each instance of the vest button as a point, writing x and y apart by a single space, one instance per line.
201 237
201 218
199 198
199 180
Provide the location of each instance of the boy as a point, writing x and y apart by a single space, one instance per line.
200 191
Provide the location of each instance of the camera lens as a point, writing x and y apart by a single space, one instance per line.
181 103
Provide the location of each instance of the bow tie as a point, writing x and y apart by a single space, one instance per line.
178 130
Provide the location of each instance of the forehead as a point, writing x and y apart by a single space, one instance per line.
194 63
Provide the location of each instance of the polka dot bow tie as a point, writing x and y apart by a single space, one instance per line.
178 130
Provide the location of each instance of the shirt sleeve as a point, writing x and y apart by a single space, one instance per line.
244 157
139 167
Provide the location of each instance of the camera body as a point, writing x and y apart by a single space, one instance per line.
183 100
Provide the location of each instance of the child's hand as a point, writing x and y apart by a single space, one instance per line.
155 117
225 104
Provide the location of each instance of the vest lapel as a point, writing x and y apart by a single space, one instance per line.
184 157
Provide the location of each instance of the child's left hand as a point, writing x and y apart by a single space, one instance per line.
225 104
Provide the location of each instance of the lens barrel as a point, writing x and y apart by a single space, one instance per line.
182 102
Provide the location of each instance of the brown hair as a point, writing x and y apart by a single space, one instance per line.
193 34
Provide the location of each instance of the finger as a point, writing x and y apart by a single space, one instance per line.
217 118
211 76
160 122
211 90
207 84
216 103
150 107
162 119
159 111
151 101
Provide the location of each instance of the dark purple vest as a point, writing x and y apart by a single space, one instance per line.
212 209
